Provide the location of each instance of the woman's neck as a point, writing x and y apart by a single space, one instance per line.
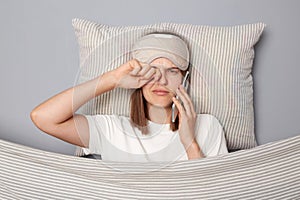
159 115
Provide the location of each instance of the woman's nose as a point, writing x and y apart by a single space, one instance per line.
163 79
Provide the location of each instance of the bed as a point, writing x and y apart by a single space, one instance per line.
221 85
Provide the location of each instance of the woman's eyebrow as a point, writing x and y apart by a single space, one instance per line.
156 66
172 68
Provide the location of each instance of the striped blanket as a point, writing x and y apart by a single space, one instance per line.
269 171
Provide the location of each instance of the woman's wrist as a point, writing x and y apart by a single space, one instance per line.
113 78
105 83
193 150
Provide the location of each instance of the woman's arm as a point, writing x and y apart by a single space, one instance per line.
57 117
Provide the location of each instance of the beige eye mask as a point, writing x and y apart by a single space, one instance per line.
169 46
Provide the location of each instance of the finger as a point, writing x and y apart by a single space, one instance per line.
184 100
149 74
142 83
179 106
188 98
147 78
145 69
135 71
156 76
136 67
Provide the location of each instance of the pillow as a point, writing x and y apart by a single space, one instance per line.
221 65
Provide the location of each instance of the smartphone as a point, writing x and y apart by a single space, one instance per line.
185 84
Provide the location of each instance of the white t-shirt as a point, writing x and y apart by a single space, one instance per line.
116 139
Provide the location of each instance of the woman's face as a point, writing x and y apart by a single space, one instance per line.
159 93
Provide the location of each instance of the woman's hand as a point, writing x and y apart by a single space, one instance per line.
134 74
187 121
187 116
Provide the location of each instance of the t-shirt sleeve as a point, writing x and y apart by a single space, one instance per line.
216 142
210 135
95 139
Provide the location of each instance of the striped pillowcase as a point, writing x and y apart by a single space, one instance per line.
221 60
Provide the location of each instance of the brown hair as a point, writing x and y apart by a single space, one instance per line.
139 113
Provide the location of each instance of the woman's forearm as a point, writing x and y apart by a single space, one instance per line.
62 106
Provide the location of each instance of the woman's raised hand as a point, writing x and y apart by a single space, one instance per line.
134 74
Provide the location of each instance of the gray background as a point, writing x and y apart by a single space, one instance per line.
39 55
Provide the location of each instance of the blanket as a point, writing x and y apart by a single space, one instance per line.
269 171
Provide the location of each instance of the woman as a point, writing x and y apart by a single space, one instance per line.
156 71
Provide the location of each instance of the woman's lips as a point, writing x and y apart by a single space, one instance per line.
161 92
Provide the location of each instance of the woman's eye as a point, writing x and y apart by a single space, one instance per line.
173 71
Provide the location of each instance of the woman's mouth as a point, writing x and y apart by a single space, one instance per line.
160 92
